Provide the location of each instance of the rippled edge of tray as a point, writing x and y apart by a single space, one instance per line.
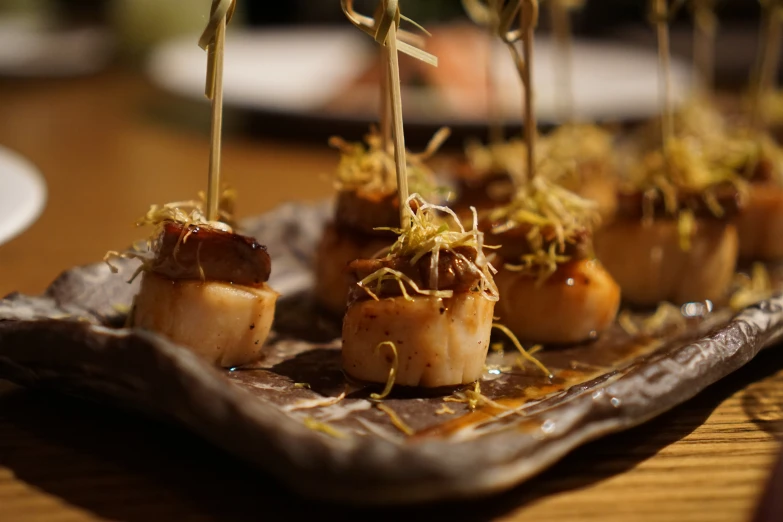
61 342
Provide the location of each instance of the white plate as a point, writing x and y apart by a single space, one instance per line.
22 194
299 71
30 48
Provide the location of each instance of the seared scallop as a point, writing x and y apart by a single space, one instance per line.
651 265
576 303
225 323
439 341
760 226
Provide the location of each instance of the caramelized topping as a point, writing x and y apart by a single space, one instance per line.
207 253
514 243
367 211
456 271
722 202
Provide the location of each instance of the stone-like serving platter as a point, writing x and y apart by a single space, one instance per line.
282 413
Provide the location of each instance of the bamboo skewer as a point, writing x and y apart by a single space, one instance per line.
384 118
400 159
384 28
561 27
661 16
528 18
213 40
496 134
705 27
769 57
487 16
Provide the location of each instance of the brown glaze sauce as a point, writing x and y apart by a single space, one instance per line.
200 252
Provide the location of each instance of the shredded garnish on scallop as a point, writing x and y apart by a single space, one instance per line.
392 371
502 157
688 166
544 206
559 154
752 289
569 147
430 233
367 166
186 213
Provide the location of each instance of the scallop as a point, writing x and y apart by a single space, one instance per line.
576 303
226 324
649 263
439 342
333 254
760 226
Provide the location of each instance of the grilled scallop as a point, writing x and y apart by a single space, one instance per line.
651 266
576 303
206 289
224 323
439 342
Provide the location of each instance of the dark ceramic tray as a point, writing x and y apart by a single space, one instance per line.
70 339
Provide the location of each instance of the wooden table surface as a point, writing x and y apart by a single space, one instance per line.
108 151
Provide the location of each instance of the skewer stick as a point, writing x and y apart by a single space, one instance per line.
488 16
384 28
493 102
385 102
561 26
769 57
528 17
400 159
213 40
661 16
704 34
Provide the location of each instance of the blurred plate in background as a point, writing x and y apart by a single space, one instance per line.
22 194
332 74
30 47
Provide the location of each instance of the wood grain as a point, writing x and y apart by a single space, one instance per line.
106 155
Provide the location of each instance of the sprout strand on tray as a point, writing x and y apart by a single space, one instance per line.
429 234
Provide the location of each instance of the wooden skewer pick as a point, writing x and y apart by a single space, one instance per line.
400 159
528 17
213 40
705 29
384 27
769 57
487 16
561 27
385 116
661 14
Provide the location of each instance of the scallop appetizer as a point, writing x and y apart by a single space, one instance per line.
204 286
581 159
367 209
423 313
552 289
673 238
760 226
488 174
